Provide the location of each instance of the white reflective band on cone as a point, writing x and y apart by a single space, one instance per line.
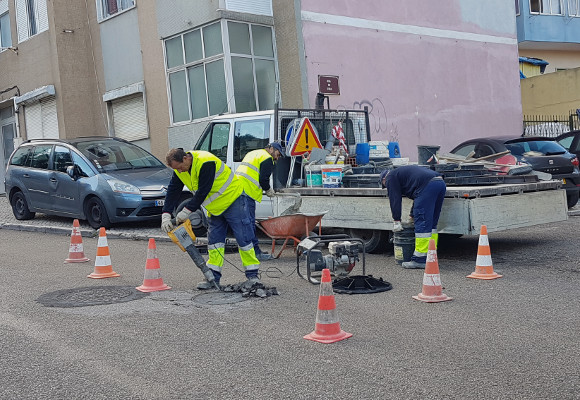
76 248
483 241
327 316
102 241
152 273
483 261
431 280
102 261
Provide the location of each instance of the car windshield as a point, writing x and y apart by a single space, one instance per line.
113 155
535 148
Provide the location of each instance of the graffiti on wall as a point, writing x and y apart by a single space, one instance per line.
377 116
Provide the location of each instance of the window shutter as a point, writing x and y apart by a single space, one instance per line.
259 7
3 6
33 119
129 118
42 16
21 20
49 118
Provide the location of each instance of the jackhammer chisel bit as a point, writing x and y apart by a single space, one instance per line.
200 263
183 236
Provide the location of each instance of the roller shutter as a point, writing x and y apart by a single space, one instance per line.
129 118
41 119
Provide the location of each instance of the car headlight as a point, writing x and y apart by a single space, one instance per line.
123 187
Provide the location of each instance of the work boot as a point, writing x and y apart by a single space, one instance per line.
251 282
413 265
205 285
264 257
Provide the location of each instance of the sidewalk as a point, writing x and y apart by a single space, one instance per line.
63 225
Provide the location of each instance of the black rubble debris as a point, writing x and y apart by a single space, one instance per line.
256 289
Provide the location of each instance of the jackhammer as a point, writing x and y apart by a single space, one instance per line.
184 237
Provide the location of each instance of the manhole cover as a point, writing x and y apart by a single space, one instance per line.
214 298
90 296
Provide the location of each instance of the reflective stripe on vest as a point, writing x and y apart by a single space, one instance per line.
249 171
224 190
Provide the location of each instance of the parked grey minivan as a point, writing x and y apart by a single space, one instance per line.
101 179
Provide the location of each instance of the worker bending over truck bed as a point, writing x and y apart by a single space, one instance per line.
427 189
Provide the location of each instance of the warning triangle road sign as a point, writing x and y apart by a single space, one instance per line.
305 140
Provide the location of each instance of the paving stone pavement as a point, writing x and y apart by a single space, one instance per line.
54 224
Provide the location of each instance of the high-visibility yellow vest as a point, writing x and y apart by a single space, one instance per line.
225 189
249 173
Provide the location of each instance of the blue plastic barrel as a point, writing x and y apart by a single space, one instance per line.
362 153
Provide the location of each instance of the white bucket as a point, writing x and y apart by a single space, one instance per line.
331 175
330 160
313 175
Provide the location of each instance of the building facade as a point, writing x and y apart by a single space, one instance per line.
549 30
156 72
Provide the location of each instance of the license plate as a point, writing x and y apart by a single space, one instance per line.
159 203
564 180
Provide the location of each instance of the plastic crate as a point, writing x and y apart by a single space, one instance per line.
361 181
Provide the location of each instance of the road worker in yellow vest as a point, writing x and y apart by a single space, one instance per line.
219 192
254 172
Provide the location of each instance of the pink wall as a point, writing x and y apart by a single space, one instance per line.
420 89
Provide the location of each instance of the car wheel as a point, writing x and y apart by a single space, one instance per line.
375 241
198 219
96 213
572 199
20 207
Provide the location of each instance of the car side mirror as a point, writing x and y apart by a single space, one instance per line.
72 171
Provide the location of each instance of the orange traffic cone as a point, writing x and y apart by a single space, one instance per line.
327 326
153 281
103 267
483 264
432 290
76 253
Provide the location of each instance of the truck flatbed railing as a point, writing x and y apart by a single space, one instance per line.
468 192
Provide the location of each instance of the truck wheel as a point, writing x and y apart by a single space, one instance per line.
375 241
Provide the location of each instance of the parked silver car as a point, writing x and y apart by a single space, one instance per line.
103 180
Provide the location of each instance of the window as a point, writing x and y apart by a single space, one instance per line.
20 156
199 64
83 166
517 7
250 135
574 8
465 150
31 18
5 38
61 159
40 156
215 140
107 8
552 7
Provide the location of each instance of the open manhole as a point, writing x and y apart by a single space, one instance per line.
215 298
90 296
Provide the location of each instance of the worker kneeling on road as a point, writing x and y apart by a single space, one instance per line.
254 172
216 189
427 189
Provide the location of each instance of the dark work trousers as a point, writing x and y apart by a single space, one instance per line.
426 212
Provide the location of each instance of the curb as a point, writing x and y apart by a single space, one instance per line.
574 213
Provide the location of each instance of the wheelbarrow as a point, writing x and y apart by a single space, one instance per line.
290 227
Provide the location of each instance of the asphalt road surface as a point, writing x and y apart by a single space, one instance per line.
511 338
